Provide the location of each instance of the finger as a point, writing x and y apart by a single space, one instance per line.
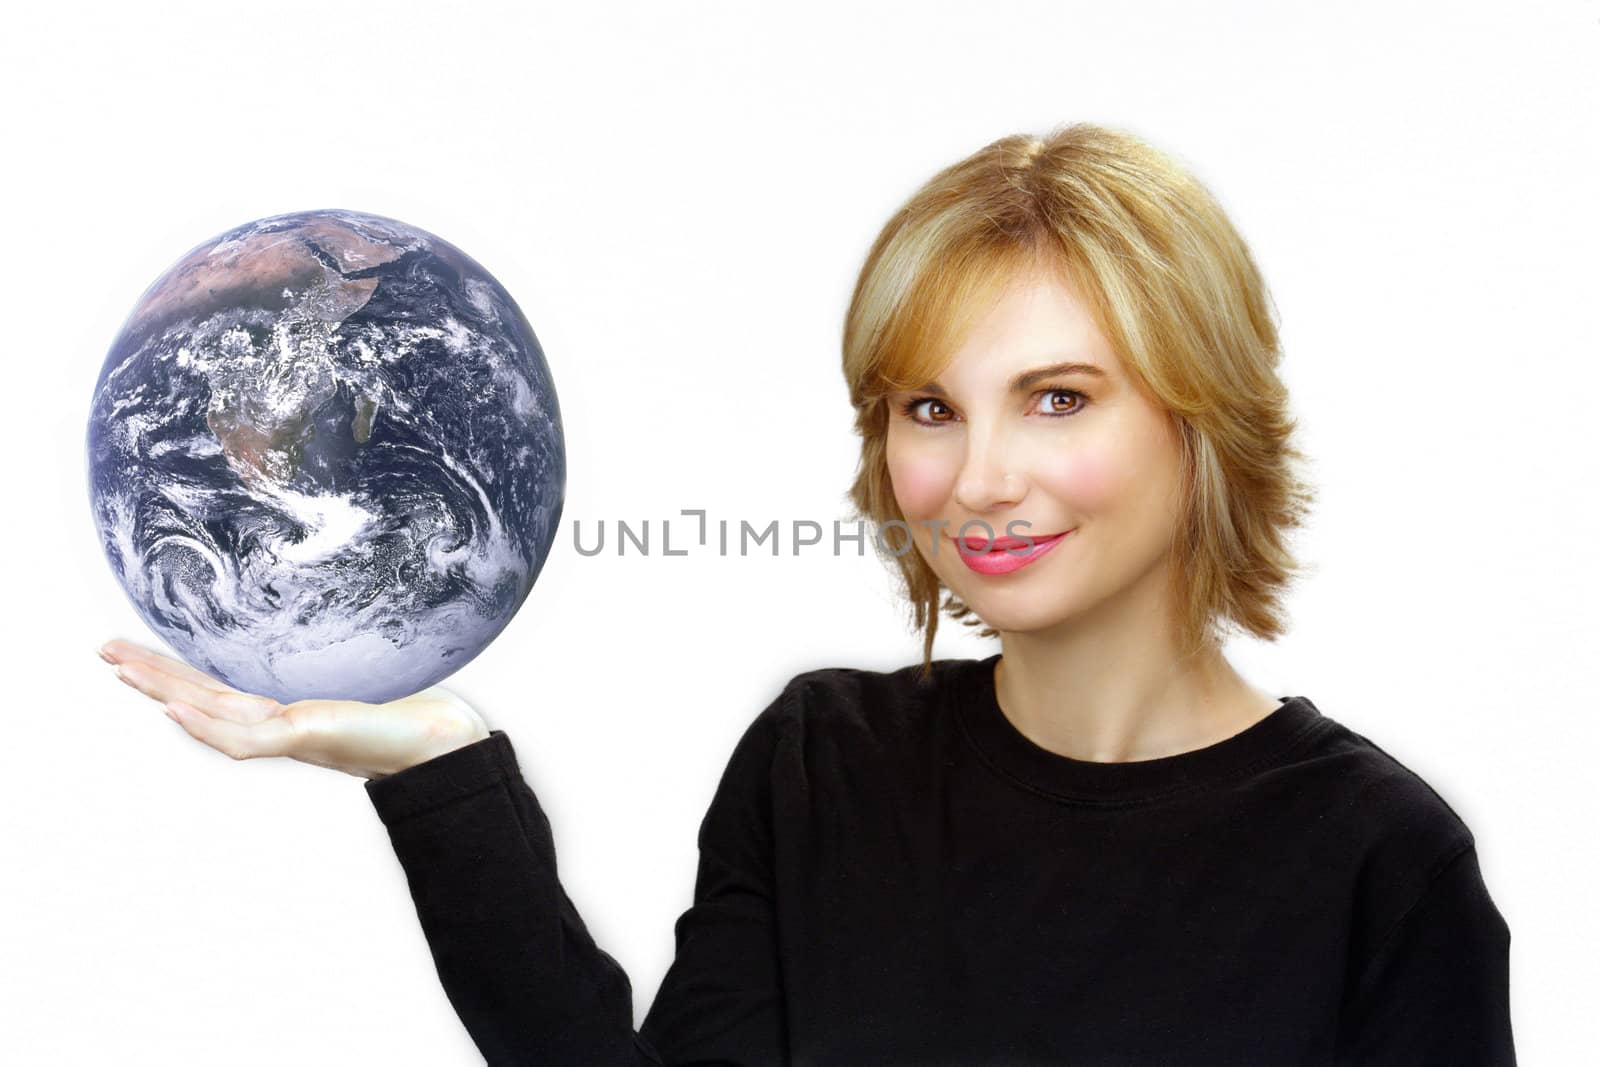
122 651
224 704
240 741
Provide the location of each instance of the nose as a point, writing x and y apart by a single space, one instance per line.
985 483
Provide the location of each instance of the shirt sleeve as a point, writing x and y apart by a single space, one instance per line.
1437 989
513 955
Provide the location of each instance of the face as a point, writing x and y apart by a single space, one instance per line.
1001 439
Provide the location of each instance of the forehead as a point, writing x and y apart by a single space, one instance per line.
1037 327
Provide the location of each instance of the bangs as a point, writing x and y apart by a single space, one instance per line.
938 309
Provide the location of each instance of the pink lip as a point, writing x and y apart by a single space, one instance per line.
1006 555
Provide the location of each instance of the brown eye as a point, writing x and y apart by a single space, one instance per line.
1062 402
910 408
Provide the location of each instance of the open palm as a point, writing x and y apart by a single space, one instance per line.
365 740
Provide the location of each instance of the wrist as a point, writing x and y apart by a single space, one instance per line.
450 740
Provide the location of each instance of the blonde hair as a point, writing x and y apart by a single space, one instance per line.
1174 290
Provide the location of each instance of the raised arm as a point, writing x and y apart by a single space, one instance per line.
513 954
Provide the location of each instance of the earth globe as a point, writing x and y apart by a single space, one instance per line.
325 457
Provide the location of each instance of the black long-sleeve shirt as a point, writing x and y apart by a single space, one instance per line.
891 873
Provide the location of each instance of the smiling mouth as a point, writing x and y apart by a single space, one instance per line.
981 545
1007 555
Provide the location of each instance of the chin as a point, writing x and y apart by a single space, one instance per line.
1016 615
1040 623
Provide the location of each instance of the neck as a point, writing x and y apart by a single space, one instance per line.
1113 688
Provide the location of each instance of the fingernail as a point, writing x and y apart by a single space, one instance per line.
104 655
173 717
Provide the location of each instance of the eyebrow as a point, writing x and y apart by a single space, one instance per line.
1025 381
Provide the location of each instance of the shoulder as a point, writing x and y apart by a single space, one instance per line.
845 687
1395 806
848 714
1402 833
1419 910
859 698
829 722
844 701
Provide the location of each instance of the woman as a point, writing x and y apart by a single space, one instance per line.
1100 845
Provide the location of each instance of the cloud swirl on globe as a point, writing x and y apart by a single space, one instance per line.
326 458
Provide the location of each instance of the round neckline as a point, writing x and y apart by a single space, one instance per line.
1014 754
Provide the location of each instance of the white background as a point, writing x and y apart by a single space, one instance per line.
679 198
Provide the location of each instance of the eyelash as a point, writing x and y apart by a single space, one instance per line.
909 408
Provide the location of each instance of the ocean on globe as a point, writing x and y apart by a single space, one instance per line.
325 457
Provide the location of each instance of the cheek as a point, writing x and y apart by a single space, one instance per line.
1089 483
921 483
